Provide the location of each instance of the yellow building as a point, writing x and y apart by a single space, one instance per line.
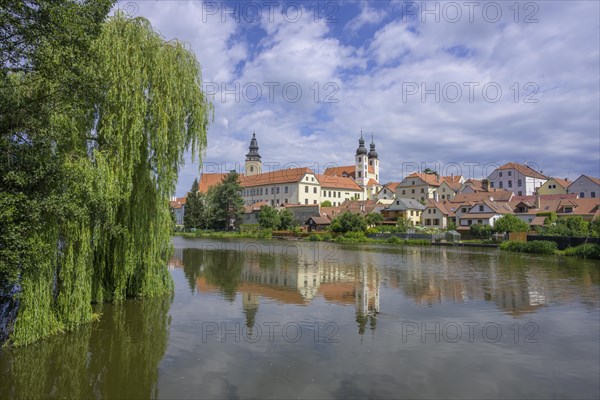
554 186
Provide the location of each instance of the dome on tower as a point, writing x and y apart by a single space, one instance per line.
372 151
361 146
253 153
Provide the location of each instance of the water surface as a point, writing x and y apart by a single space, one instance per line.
275 319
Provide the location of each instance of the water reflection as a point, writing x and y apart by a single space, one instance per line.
116 357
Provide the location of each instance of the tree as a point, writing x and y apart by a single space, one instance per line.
286 220
481 231
101 113
348 222
374 219
451 225
227 204
403 224
326 203
268 218
429 171
510 223
195 205
595 227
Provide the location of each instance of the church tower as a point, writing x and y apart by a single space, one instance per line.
253 165
361 171
374 160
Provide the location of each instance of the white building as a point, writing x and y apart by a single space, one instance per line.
521 179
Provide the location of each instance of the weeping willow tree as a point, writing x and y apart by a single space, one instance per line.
113 133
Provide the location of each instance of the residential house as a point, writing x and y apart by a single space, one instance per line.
554 186
585 187
251 212
448 189
518 178
405 208
485 212
436 214
388 191
177 205
421 186
338 189
317 224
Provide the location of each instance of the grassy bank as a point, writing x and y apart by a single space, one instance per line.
588 250
258 234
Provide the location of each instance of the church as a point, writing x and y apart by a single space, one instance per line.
302 186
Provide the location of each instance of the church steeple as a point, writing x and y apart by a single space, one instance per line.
361 146
253 164
373 152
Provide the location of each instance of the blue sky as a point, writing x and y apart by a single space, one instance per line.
454 86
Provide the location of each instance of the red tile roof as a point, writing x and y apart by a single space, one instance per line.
338 182
209 180
290 175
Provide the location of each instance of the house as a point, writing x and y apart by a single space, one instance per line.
518 178
448 189
436 214
405 208
338 189
317 224
554 186
585 187
422 186
302 212
388 191
177 205
485 212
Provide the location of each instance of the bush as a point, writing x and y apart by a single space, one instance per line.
315 238
586 250
394 240
480 231
351 237
533 247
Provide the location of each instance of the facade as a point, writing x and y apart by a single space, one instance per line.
554 186
177 205
520 179
435 214
405 208
422 186
485 212
585 187
387 192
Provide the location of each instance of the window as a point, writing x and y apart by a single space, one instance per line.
422 190
519 182
251 168
305 189
429 211
359 174
509 173
397 202
435 211
277 191
581 195
403 191
272 190
413 191
359 159
314 202
339 195
330 193
492 185
411 213
470 222
444 190
314 190
413 182
593 194
463 210
520 193
500 174
285 190
370 162
500 184
568 209
479 221
286 201
312 179
305 201
480 208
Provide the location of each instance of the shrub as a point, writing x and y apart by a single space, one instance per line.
315 238
586 250
534 247
394 240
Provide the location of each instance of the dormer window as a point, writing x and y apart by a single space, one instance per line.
568 209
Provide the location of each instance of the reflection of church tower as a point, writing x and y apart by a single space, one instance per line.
250 304
367 298
253 164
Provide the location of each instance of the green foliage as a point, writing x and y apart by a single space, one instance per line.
326 203
510 223
403 224
534 247
286 220
226 202
352 237
480 231
195 209
574 226
374 219
348 222
451 225
586 250
101 114
595 227
551 217
268 218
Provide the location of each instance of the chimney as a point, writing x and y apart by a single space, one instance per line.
538 202
485 184
435 197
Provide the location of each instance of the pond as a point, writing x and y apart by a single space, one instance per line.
286 319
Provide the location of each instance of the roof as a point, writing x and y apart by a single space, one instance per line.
320 220
372 182
177 202
290 175
478 215
435 180
455 186
255 207
338 182
593 179
405 204
391 185
497 195
340 171
440 205
523 169
209 180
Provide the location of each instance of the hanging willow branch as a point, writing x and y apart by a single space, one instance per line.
112 238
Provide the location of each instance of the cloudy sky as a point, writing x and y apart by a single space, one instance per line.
460 87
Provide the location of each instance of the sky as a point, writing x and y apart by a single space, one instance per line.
459 87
